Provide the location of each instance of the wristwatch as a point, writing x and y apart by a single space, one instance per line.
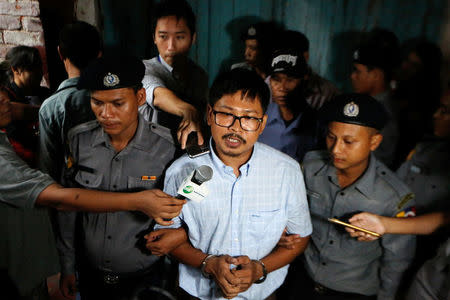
261 280
203 265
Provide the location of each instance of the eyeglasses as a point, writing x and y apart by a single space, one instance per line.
247 123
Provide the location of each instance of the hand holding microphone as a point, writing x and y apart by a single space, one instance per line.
192 187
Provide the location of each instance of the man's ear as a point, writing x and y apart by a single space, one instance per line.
194 37
375 141
141 95
263 124
209 116
59 53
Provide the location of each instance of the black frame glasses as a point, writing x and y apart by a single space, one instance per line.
245 118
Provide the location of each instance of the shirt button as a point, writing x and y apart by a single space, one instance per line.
114 186
109 237
236 240
116 159
324 264
331 242
342 193
87 181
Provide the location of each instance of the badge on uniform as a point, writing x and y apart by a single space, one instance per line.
69 162
351 109
405 200
408 212
111 80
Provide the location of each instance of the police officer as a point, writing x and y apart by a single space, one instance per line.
22 188
346 179
373 65
119 151
259 44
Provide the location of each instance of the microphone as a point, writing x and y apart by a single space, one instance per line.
192 187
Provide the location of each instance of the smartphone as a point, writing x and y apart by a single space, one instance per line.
193 149
336 221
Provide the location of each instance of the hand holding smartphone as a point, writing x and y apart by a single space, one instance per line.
193 149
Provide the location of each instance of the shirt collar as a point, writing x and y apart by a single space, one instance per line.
364 184
68 82
218 163
166 65
274 116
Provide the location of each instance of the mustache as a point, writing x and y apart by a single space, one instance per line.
236 136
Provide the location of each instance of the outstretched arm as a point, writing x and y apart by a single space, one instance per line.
425 224
153 203
167 101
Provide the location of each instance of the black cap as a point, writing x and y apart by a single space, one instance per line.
369 54
112 73
253 32
356 109
290 62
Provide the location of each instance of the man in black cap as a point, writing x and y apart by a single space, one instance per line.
317 89
259 44
373 65
291 124
119 151
346 179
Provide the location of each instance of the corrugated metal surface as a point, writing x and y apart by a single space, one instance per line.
331 25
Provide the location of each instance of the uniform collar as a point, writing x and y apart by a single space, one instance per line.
364 184
224 169
166 65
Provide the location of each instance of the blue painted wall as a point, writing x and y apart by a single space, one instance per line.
332 26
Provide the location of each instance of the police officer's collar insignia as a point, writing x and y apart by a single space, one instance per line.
351 109
356 55
251 31
110 80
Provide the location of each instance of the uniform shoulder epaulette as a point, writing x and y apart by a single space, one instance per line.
163 132
318 155
403 192
83 127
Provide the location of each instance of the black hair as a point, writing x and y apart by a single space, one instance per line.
178 8
230 82
80 42
22 58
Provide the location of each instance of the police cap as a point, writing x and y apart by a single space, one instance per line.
290 62
356 109
378 56
112 73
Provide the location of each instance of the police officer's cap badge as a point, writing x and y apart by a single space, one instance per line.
110 80
356 55
251 31
351 109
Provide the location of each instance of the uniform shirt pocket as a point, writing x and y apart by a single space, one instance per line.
89 180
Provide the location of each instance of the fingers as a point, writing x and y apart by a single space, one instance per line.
241 260
200 139
163 222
